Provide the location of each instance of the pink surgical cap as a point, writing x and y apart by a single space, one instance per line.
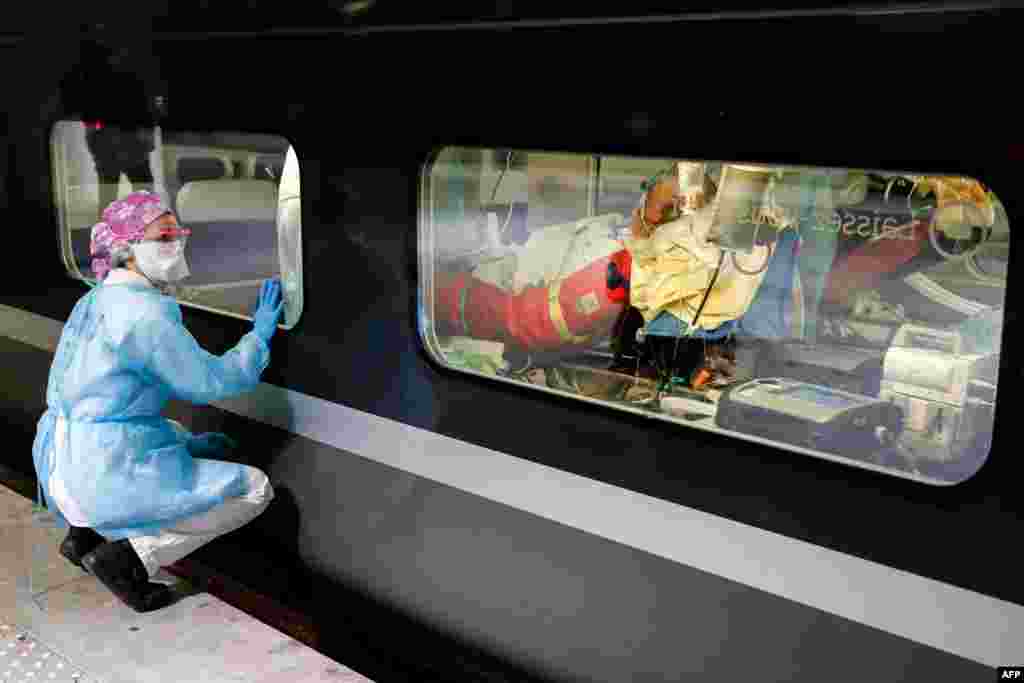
124 223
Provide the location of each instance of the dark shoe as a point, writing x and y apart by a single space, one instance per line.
119 568
79 542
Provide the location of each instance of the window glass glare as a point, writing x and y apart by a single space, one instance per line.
225 187
850 314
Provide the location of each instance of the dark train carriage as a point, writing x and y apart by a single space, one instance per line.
635 348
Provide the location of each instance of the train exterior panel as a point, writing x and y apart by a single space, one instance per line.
537 535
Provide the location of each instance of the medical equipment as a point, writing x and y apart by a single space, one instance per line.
690 406
847 368
744 213
946 393
809 415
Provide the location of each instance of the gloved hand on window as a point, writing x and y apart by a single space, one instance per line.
211 445
269 309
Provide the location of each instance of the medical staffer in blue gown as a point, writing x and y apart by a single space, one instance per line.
138 490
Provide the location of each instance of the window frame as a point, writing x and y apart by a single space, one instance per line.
426 325
61 192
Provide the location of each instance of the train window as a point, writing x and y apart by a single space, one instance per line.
267 168
200 168
849 314
246 225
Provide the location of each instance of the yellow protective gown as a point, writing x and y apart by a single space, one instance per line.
672 269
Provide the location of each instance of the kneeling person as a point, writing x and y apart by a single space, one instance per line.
137 490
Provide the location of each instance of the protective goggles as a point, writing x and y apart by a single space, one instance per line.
171 235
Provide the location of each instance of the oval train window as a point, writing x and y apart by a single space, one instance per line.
237 193
850 314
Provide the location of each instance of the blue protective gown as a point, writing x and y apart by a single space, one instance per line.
123 354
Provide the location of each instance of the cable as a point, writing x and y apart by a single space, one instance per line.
934 239
736 264
888 187
647 229
700 309
975 269
707 293
508 219
494 193
508 164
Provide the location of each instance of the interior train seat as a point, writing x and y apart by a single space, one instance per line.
234 229
185 164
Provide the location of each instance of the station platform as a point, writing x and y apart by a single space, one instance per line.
58 623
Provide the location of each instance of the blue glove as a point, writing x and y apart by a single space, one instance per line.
268 312
211 445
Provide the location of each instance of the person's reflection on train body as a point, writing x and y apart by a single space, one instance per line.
138 490
116 150
120 107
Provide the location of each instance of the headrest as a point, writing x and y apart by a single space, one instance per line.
227 200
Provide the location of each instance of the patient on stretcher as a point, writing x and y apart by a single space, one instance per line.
680 268
571 283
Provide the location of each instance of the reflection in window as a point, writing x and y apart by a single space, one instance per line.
851 314
237 193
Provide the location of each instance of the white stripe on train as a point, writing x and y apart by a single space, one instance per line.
962 622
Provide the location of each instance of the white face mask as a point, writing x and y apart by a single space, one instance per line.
164 261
